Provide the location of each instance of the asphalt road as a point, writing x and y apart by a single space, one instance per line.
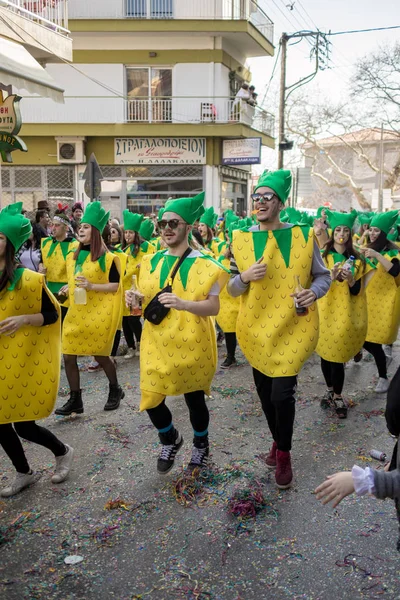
151 546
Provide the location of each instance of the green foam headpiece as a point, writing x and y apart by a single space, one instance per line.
385 221
364 219
338 219
230 219
209 218
293 215
14 225
279 181
96 216
147 229
132 221
189 209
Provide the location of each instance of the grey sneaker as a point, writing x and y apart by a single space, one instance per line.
63 465
382 386
21 481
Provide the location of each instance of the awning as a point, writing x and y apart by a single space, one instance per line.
19 69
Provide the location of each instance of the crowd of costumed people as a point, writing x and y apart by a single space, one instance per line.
280 284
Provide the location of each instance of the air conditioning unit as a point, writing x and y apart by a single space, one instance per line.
71 150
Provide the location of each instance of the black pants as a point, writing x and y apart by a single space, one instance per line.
278 403
64 310
161 416
231 343
380 357
32 432
334 375
132 327
117 340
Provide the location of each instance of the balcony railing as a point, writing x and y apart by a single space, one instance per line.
174 110
196 111
52 14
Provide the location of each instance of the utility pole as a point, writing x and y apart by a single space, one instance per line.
380 193
284 41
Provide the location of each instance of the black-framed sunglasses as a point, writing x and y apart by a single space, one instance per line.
267 197
172 223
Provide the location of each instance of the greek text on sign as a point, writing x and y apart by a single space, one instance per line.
160 151
241 151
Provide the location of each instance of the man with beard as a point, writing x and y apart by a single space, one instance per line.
178 356
278 271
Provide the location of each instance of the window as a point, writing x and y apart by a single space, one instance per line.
149 91
149 9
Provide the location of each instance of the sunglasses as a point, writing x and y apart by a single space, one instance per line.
172 223
267 197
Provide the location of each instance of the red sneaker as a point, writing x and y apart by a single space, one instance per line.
283 474
270 461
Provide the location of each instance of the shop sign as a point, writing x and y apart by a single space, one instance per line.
160 151
241 152
10 124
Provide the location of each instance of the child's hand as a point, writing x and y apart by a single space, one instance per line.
335 488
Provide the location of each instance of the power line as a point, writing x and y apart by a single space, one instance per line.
363 30
272 74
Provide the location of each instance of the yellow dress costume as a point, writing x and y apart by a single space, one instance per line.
30 358
273 338
383 304
54 257
89 329
229 306
132 268
180 354
342 316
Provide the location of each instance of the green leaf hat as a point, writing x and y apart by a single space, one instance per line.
96 216
385 221
339 219
189 209
14 225
279 181
147 229
209 218
132 221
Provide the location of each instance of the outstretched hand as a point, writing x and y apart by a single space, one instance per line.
336 487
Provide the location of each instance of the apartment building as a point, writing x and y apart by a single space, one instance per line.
151 92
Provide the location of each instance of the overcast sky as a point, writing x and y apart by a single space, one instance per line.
334 15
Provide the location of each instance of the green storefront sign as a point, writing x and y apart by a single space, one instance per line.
10 125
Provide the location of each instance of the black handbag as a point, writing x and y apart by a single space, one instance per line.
155 312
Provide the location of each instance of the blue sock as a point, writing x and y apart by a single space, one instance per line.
166 429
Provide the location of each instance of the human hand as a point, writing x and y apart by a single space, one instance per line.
42 269
255 272
336 487
347 275
305 298
370 253
319 226
133 299
172 301
64 291
82 282
335 271
12 324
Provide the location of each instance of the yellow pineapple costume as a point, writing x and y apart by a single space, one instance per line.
30 357
180 354
383 303
54 256
89 329
273 338
342 316
229 306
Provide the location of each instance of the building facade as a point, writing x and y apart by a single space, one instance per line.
152 93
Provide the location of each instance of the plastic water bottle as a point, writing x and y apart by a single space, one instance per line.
348 265
136 304
301 311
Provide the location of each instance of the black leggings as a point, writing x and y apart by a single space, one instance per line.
334 375
380 357
32 432
117 340
161 416
231 343
278 403
72 370
132 327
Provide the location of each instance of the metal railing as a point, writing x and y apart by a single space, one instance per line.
174 109
197 111
248 10
52 14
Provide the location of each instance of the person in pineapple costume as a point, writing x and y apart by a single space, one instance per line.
179 355
94 292
206 227
29 356
54 255
135 248
383 293
270 259
342 311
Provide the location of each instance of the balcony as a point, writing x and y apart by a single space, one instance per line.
143 15
40 24
171 112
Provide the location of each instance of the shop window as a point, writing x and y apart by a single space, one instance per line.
149 91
